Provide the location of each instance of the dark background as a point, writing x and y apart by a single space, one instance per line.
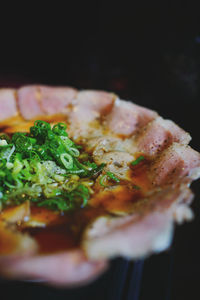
143 51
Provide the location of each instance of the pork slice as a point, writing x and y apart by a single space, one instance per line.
152 234
62 269
103 144
158 135
29 102
126 117
117 162
174 163
88 107
55 100
149 229
8 107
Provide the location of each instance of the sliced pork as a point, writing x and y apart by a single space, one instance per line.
174 163
149 229
62 269
8 107
89 107
39 101
55 100
117 133
158 135
91 104
126 118
29 102
117 162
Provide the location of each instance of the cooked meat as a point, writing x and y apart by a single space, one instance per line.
174 163
116 162
88 107
158 135
8 107
29 102
149 228
126 117
37 101
103 144
91 104
149 167
62 269
55 100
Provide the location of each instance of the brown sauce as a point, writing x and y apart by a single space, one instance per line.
117 200
139 175
8 240
55 232
62 232
18 124
65 231
11 121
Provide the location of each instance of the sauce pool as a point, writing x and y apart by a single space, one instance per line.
56 232
65 231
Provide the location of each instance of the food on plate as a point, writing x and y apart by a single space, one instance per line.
85 177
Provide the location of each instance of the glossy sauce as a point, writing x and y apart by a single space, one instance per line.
62 232
8 241
65 231
18 124
118 200
55 232
138 174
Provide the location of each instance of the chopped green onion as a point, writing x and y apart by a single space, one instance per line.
113 177
46 167
102 179
108 175
67 160
138 160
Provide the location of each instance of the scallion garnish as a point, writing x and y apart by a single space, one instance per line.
45 167
102 180
107 176
138 160
113 177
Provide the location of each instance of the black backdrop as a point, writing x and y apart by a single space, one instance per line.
143 51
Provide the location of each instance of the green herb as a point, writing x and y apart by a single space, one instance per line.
102 180
107 176
44 166
138 160
112 176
